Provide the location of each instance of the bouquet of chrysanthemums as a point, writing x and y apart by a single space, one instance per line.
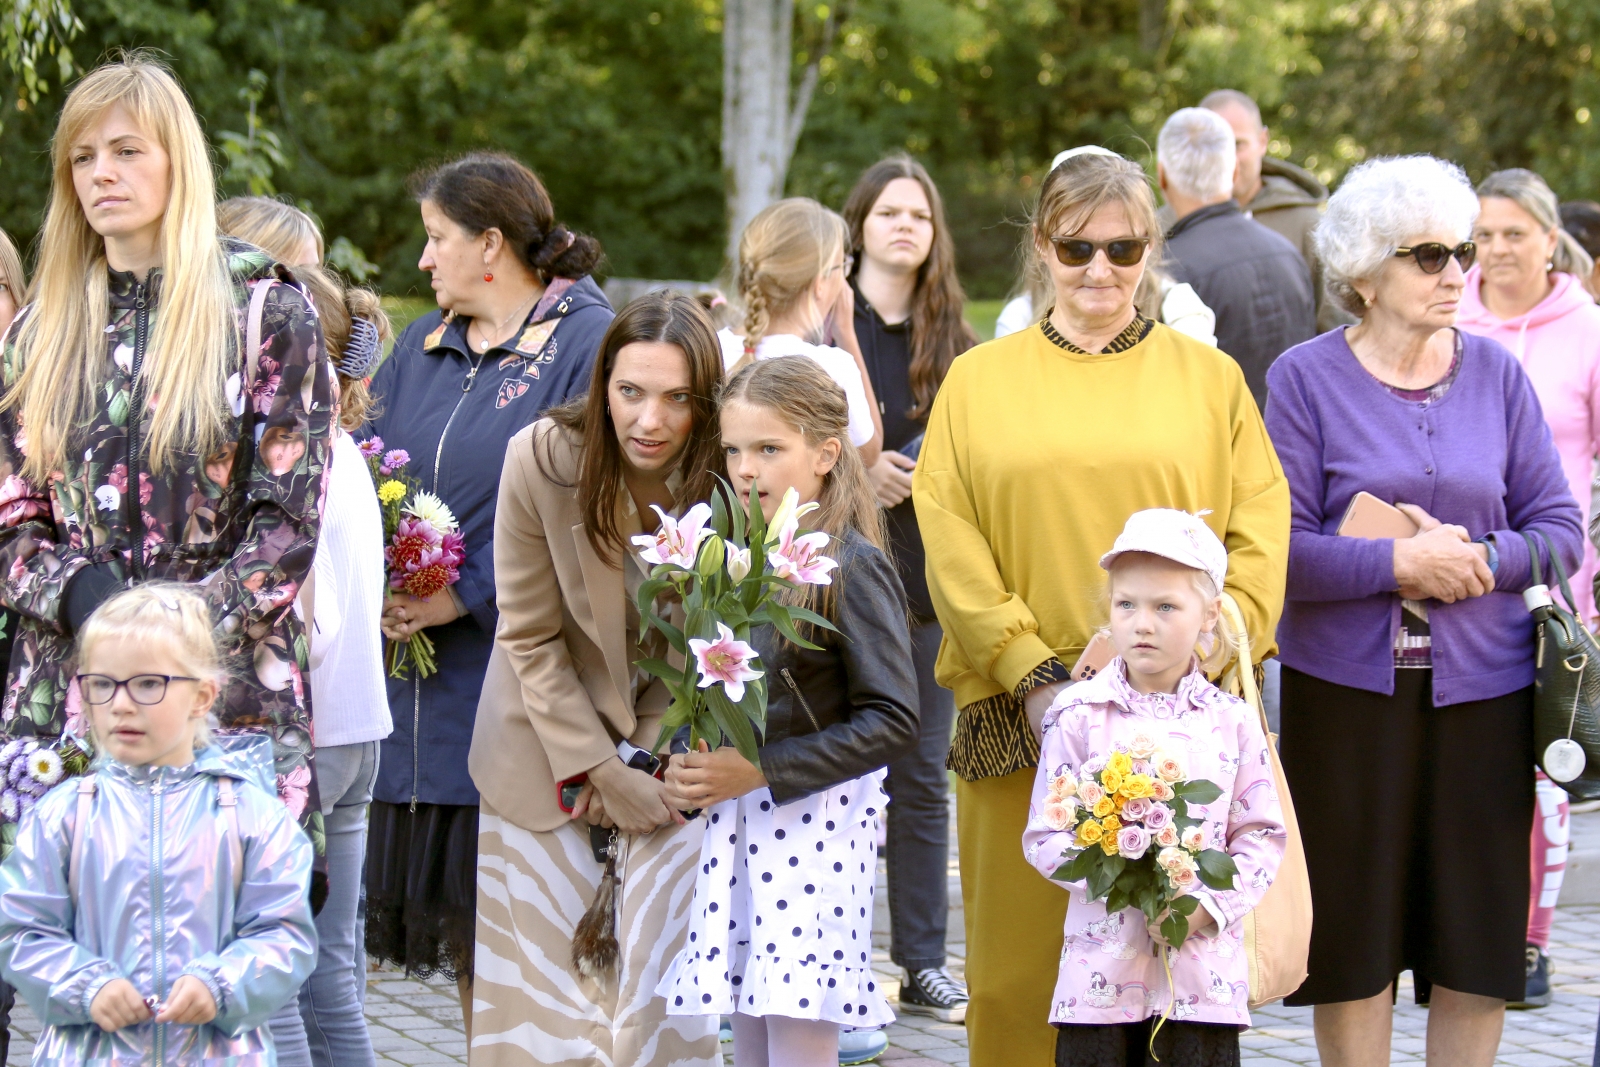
1136 844
729 568
423 549
30 767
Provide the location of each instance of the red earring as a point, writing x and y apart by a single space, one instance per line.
488 277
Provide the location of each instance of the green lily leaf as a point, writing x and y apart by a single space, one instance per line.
658 668
735 726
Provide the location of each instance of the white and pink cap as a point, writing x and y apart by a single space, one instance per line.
1175 535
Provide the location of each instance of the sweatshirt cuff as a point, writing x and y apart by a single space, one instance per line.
1049 672
1019 658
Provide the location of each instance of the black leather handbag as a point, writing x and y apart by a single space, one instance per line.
1566 688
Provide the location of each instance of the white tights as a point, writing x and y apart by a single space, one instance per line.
779 1041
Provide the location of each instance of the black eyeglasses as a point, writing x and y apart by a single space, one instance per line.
1433 256
1121 251
142 688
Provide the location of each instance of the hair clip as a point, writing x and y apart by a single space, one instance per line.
167 601
361 351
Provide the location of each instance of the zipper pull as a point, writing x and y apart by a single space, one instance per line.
466 386
138 296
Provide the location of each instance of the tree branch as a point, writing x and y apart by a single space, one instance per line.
837 14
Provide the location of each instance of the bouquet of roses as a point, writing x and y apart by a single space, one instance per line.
1136 843
423 548
29 768
728 566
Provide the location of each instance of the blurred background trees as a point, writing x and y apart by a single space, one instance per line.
618 104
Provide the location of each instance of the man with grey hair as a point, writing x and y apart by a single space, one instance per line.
1254 279
1281 196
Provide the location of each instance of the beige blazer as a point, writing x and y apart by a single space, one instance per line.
557 696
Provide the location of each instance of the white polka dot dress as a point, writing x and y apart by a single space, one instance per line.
782 917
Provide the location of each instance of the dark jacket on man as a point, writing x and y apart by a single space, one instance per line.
1290 202
1255 281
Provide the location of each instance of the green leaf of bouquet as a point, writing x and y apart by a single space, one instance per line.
1116 899
719 513
1198 791
660 668
1185 905
756 522
1077 868
734 724
1175 929
1217 869
1105 875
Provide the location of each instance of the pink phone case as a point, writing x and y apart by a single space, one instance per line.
1095 656
1369 517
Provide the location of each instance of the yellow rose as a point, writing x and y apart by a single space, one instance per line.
1119 800
1108 844
1111 779
1103 807
1111 824
391 491
1120 762
1136 785
1089 832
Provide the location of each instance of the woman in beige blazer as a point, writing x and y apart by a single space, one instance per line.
561 694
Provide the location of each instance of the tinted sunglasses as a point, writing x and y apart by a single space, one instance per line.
1121 251
1433 256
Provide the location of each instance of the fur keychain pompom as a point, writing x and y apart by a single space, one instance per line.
594 942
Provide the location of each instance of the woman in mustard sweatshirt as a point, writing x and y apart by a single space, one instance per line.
1039 447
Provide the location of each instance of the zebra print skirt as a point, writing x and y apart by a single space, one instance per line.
529 1005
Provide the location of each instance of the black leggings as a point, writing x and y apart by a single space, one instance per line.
1128 1045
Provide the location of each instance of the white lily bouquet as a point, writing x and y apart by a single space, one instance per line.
728 566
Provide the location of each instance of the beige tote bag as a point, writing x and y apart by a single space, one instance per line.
1277 933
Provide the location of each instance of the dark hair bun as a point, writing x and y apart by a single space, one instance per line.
564 254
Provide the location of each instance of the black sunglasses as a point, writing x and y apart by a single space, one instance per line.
144 689
1433 256
1121 251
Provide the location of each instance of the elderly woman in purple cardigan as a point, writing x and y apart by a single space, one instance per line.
1408 664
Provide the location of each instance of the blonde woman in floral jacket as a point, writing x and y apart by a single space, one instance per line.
229 472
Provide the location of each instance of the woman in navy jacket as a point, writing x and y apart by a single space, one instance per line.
520 325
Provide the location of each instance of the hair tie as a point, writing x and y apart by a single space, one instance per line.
360 351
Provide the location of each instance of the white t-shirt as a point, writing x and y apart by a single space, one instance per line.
840 365
349 696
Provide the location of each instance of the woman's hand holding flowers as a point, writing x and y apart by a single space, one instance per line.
701 779
404 614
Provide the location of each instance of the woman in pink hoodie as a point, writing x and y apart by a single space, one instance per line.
1527 293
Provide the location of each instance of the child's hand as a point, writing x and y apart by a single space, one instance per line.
1201 924
190 1003
118 1004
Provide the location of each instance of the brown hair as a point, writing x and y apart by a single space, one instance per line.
798 391
337 307
939 330
277 228
665 316
494 191
783 250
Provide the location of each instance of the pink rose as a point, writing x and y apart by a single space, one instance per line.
1167 837
1141 745
1160 790
1132 842
1194 838
1090 793
1169 768
1135 810
1184 879
1158 816
1171 859
1063 786
1060 815
1141 766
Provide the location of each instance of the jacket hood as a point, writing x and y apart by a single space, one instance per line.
1285 185
1566 297
561 298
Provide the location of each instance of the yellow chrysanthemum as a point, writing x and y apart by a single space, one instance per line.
1136 785
1103 807
1089 832
1111 779
391 492
1120 762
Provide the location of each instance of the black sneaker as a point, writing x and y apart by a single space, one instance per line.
1536 993
934 992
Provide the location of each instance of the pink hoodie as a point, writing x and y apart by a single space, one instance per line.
1558 345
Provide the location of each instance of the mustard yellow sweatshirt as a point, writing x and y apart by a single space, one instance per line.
1036 454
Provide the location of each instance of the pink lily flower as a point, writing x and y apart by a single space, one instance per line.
800 559
726 660
676 541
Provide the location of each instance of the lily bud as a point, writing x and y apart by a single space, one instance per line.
712 555
738 563
785 512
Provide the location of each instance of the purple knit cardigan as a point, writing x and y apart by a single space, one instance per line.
1482 456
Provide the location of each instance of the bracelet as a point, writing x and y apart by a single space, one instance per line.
1487 542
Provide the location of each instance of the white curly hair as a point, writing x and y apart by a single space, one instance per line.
1381 205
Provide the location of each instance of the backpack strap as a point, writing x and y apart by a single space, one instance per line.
228 801
252 334
75 856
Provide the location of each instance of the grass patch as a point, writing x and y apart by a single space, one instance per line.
981 315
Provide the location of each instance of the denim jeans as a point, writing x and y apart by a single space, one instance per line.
918 834
328 1020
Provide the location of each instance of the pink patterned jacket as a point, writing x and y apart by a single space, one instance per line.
1110 970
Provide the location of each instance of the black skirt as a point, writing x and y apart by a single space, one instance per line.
422 887
1408 813
1129 1045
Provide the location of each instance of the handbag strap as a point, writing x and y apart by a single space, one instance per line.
1558 571
1244 665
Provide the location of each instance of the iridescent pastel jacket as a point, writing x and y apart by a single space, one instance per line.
156 901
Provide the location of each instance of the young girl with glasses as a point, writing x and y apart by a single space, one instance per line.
780 929
156 909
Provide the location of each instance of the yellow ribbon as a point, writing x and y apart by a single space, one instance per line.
1172 996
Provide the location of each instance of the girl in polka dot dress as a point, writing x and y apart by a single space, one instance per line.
780 932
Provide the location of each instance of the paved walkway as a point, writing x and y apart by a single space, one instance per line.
416 1023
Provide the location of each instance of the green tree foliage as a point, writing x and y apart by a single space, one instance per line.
617 103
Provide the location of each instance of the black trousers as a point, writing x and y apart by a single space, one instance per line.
1128 1045
1411 817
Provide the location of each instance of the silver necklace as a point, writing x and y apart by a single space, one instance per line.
483 343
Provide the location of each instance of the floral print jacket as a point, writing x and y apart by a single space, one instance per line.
248 542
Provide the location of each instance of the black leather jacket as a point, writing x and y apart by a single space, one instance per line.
850 708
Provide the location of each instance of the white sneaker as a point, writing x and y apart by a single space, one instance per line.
859 1046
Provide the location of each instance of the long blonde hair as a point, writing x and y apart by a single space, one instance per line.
276 228
11 271
195 342
782 252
